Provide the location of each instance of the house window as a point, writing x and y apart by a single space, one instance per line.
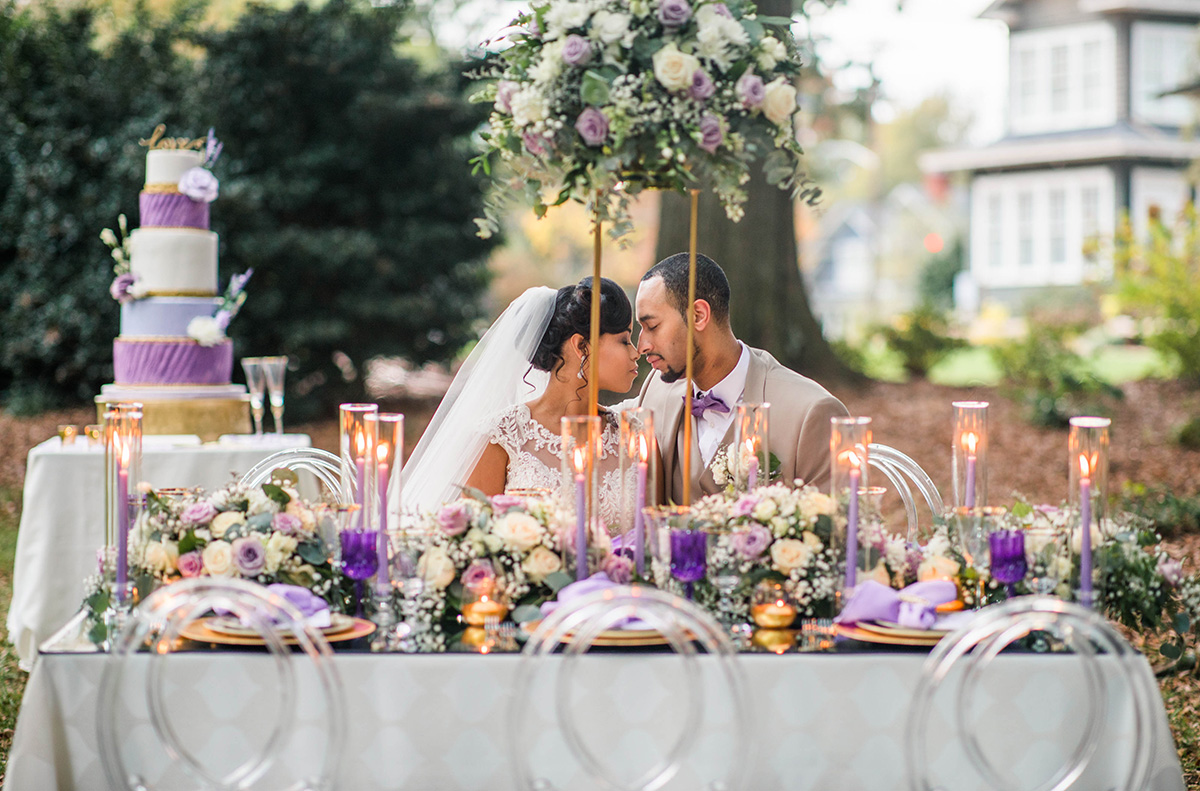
1058 226
1059 80
995 213
1027 82
1090 209
1093 52
1025 228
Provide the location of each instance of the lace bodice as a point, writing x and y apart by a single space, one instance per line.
535 459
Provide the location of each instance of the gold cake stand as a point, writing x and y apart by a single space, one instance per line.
207 417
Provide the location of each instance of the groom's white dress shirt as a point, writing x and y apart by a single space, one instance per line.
712 425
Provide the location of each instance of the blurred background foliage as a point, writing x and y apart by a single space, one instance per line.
344 183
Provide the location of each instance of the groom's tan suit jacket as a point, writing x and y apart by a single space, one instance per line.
797 432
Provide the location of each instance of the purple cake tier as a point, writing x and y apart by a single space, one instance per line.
171 362
172 210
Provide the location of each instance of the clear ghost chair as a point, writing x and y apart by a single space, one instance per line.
900 470
575 627
323 465
963 658
157 624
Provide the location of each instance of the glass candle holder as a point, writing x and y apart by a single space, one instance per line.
581 489
483 595
750 464
970 450
357 444
94 433
660 521
638 475
973 527
772 606
849 440
389 453
123 464
1087 460
67 434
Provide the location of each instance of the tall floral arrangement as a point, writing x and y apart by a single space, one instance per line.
596 99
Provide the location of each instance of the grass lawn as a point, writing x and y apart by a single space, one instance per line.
12 678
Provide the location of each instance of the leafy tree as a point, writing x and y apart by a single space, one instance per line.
936 285
70 118
346 186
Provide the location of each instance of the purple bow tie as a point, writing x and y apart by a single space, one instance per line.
706 401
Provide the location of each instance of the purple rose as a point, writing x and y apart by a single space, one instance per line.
702 86
711 133
120 287
504 94
533 144
249 556
619 569
478 575
200 513
1171 570
199 185
576 50
722 10
751 542
453 519
674 13
502 502
286 523
190 564
745 505
750 90
592 126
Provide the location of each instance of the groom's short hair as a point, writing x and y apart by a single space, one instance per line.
711 284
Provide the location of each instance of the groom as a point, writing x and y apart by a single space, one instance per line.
725 371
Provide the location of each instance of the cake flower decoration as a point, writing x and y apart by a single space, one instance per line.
199 184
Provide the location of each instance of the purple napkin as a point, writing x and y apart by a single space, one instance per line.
314 609
577 590
915 607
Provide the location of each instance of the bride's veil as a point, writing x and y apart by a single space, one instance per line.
495 376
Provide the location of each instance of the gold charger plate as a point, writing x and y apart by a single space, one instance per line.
200 632
893 629
230 625
855 633
616 638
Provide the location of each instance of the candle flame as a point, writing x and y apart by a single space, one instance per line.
643 448
1085 468
580 459
850 457
970 441
381 452
750 445
780 602
483 599
360 443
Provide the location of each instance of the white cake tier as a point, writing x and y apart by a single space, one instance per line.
174 262
164 316
114 392
167 165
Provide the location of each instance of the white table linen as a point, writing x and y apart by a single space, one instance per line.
442 721
62 516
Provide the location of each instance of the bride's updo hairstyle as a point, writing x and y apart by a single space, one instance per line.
573 315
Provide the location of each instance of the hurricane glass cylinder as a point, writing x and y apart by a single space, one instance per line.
389 452
357 446
849 440
123 455
581 490
970 451
751 460
1087 468
638 480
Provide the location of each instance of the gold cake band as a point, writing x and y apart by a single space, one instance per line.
161 188
208 417
181 293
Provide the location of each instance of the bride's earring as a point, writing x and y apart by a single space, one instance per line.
582 364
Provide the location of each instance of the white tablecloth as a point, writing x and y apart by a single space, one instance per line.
62 516
442 722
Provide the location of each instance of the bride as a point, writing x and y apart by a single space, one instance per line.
498 427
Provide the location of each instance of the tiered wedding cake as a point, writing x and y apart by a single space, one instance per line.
172 354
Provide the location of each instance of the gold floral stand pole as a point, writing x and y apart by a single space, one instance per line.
594 339
691 344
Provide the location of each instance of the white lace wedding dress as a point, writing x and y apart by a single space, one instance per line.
535 458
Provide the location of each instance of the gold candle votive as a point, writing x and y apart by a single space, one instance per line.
94 433
771 606
67 434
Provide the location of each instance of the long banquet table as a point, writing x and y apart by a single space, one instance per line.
60 530
819 721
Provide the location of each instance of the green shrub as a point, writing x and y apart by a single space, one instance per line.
1158 277
1052 381
921 338
1171 514
936 284
1188 435
853 356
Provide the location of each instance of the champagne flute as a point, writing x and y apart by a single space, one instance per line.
724 570
255 383
274 369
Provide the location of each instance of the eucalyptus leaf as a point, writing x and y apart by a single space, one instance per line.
284 475
781 21
1171 650
558 580
98 634
277 494
312 552
754 29
189 542
1182 623
593 89
526 613
474 494
260 522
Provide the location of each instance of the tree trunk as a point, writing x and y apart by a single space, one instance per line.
768 305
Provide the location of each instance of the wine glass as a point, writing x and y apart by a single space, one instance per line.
1048 556
408 580
360 554
274 369
688 547
974 525
1007 555
256 383
724 570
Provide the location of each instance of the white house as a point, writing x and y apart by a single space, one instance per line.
1089 136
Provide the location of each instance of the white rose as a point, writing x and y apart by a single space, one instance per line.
436 568
771 52
563 16
674 69
540 564
779 526
764 510
307 521
789 554
519 532
937 567
811 541
609 27
225 520
549 67
138 290
528 107
1077 538
161 556
818 503
205 331
279 549
710 45
260 503
218 559
780 101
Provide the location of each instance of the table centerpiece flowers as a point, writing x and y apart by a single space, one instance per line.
595 100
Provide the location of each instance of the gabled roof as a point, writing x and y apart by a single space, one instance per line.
1009 11
1120 142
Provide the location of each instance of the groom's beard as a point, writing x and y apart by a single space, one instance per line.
670 375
